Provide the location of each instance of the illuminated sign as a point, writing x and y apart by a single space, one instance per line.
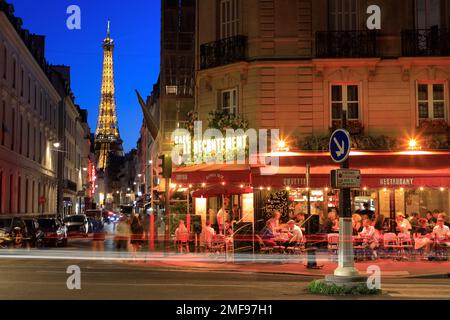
397 181
204 150
288 182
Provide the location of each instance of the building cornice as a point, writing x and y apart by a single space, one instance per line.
14 39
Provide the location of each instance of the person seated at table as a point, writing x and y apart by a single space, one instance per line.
379 223
275 222
330 224
356 224
370 236
300 221
431 220
414 221
207 235
422 236
367 212
403 225
267 235
441 233
181 235
295 234
444 216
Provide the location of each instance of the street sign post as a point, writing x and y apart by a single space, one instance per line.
340 145
344 179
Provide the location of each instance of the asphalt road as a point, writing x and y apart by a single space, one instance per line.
46 279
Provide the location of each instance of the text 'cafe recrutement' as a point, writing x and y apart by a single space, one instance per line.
411 181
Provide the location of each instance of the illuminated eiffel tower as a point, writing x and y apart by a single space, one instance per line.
107 137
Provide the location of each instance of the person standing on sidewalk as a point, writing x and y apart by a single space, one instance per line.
122 234
98 241
137 233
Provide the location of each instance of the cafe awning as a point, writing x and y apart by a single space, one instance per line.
379 170
212 174
220 190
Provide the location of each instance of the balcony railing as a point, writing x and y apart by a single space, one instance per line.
70 185
223 52
346 44
426 42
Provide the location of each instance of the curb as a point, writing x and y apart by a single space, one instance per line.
399 274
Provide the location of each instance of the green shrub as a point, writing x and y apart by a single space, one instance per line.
320 287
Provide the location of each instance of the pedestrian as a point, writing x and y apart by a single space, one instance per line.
122 234
137 233
98 241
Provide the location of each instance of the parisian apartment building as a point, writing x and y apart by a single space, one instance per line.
40 164
296 64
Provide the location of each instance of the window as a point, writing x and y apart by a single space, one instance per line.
28 139
428 13
3 124
344 97
26 197
35 97
342 15
5 62
14 73
13 130
11 193
229 101
33 192
39 147
19 194
1 192
22 81
34 143
20 134
431 101
29 90
229 18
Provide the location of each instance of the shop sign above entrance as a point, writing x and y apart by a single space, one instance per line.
339 145
345 178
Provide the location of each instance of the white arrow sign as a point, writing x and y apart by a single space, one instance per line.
340 147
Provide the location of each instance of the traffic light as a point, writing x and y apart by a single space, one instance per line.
165 166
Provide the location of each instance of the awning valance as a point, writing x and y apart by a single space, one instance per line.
213 174
378 170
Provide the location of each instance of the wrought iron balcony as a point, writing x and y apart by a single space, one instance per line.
346 44
70 185
223 52
426 42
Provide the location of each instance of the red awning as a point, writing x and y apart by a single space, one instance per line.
220 190
213 173
391 170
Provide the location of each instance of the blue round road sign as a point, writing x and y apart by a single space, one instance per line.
340 145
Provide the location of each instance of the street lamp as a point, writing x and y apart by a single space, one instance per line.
56 145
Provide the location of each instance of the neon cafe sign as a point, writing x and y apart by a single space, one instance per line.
208 148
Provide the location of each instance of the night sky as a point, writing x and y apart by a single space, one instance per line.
135 28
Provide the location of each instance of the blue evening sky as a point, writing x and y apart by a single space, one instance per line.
135 28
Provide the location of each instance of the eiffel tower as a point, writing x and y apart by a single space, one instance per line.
107 137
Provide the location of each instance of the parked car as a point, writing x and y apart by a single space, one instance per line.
34 234
77 225
13 232
55 232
